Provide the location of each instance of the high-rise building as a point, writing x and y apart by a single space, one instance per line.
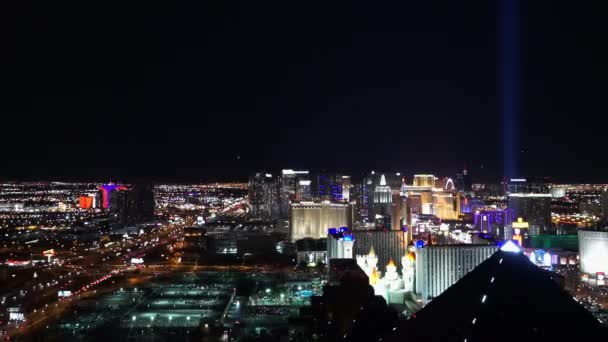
143 204
398 211
593 252
86 201
106 191
346 188
531 200
313 219
463 182
289 186
383 198
120 206
133 204
330 186
438 267
431 196
304 192
264 193
368 200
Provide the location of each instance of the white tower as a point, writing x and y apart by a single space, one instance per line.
408 264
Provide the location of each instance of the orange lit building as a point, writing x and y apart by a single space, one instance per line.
85 202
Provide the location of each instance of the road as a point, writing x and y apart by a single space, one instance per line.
91 272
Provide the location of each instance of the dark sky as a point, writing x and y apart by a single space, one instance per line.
177 92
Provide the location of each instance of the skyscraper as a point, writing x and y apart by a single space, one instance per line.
531 200
133 204
383 199
463 182
330 186
264 191
289 186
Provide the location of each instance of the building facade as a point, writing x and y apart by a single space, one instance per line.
593 252
313 219
340 244
438 267
389 244
264 196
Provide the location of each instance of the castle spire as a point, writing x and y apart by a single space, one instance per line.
373 279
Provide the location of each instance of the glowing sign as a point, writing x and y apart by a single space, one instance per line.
520 224
49 253
65 293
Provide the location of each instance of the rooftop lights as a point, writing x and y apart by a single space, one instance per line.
511 247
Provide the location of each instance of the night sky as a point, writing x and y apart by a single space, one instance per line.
172 92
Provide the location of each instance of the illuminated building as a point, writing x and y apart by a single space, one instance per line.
593 252
371 202
389 244
531 200
311 251
438 267
383 198
289 186
304 191
85 202
408 270
505 298
346 186
330 186
390 286
519 230
368 262
493 221
431 196
106 191
264 192
313 219
340 244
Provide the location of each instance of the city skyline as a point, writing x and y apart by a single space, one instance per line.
303 171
